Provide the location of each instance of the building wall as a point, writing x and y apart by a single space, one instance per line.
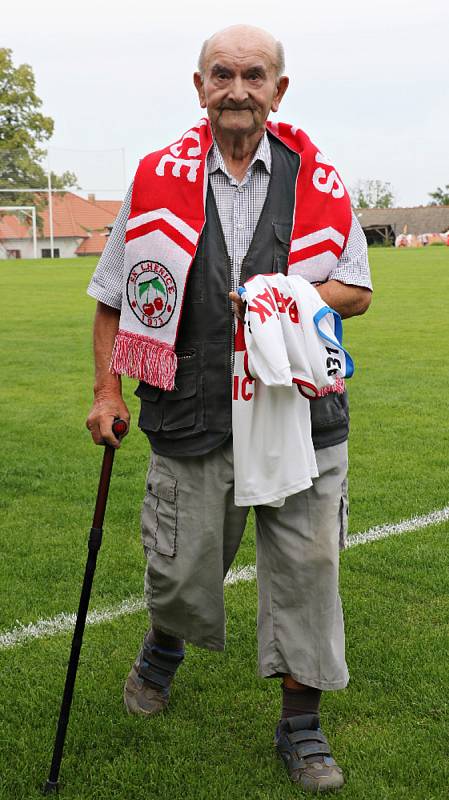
67 247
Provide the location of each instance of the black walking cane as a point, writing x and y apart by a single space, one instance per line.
119 428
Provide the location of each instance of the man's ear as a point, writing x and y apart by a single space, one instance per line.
199 86
282 86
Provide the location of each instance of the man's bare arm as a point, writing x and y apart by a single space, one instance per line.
108 401
347 299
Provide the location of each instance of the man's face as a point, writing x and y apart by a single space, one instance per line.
239 86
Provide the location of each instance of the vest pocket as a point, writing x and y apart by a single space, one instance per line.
150 417
330 420
178 413
329 411
180 405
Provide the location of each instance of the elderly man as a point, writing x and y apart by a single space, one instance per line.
234 197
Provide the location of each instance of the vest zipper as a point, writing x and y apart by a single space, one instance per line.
231 323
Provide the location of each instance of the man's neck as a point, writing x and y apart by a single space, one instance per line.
238 151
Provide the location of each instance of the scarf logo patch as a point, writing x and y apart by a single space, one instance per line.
151 292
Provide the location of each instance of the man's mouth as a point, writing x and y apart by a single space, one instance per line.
231 108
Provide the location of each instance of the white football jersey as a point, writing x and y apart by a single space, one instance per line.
290 340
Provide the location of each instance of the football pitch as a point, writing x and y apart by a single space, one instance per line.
389 729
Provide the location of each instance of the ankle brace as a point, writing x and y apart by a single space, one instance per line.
158 664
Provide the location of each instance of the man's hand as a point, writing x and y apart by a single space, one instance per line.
238 305
108 402
102 414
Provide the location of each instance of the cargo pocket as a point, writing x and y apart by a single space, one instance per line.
159 514
282 232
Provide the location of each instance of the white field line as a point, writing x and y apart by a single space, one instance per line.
62 622
407 525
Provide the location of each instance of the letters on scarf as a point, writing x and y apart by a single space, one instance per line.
164 227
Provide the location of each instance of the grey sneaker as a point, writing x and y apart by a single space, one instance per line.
147 687
305 750
141 697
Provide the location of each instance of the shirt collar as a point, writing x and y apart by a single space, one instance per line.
215 160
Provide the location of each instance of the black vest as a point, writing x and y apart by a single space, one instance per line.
196 417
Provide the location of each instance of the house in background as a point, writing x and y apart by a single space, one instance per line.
80 228
383 225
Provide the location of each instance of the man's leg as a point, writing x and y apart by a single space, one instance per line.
190 531
300 621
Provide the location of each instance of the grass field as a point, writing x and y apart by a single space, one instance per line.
389 729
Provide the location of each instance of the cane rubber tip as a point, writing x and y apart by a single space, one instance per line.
50 787
119 428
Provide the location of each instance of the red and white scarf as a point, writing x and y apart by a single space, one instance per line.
164 227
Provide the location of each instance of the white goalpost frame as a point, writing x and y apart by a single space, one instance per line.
33 218
50 205
49 190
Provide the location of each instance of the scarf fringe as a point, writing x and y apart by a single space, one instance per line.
337 388
143 358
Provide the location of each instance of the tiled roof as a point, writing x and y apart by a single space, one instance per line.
73 216
421 219
113 206
12 228
92 245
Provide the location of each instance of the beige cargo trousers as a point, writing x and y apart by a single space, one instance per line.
191 531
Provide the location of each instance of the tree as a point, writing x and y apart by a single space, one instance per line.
440 197
372 194
23 130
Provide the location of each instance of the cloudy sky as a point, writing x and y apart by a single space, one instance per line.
368 81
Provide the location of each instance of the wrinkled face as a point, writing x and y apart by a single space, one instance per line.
239 87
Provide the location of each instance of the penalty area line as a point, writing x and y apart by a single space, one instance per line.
63 622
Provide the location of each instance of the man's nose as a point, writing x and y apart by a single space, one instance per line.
238 92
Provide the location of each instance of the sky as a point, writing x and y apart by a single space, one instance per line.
368 81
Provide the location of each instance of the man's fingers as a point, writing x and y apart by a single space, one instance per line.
238 304
107 436
96 435
100 426
101 431
235 297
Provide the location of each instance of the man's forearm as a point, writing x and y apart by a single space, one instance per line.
347 299
106 325
108 402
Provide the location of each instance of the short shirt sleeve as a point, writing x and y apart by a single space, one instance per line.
353 267
106 282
